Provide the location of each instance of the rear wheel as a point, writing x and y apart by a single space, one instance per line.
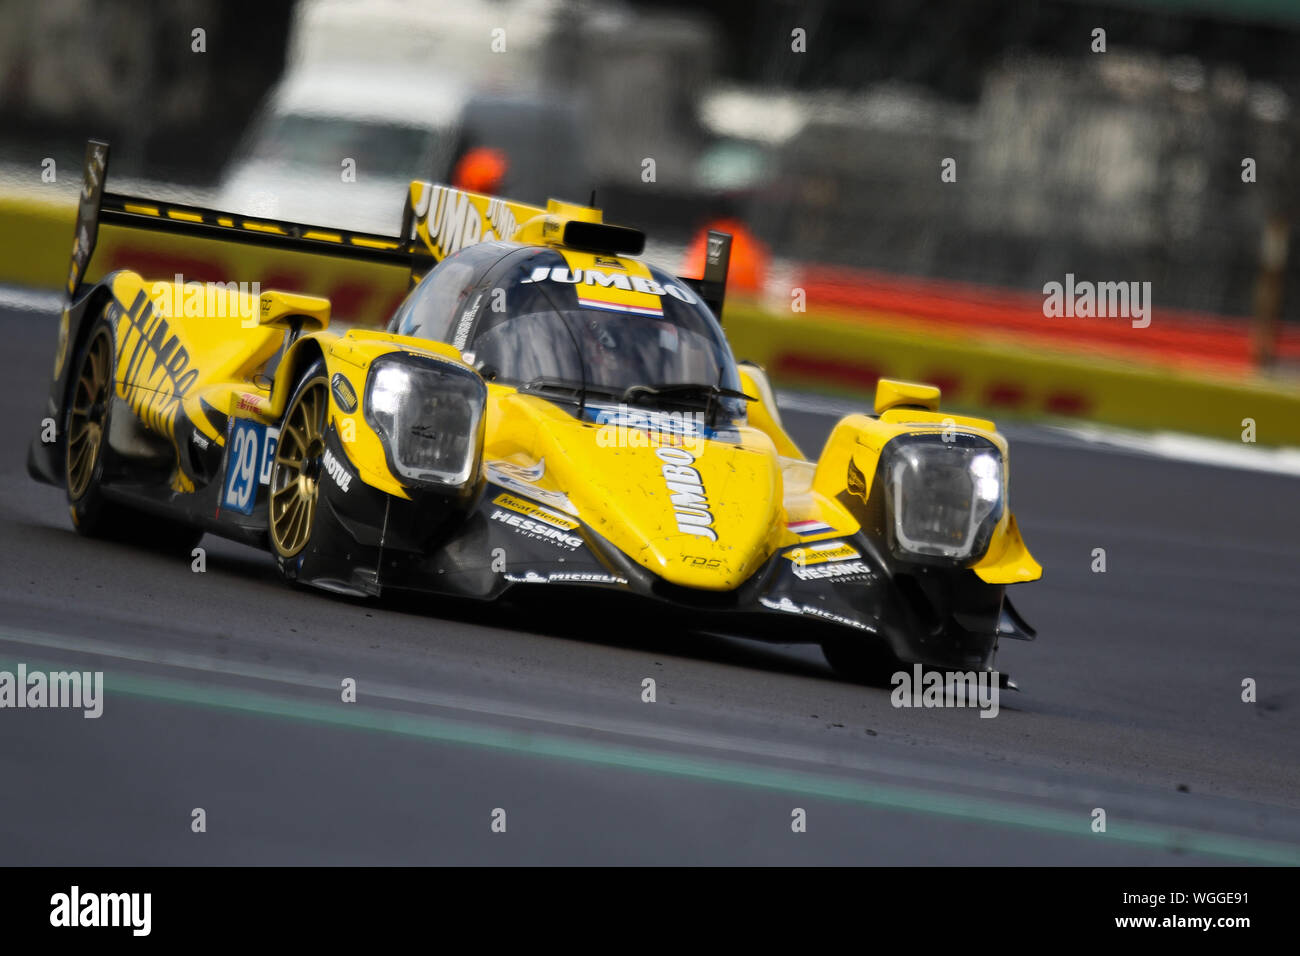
86 435
86 429
295 476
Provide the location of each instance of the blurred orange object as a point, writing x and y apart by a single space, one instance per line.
481 170
749 257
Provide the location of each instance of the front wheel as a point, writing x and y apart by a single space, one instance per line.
295 476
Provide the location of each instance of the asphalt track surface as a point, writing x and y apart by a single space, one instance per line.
223 693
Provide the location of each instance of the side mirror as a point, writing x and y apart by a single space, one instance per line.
891 393
294 313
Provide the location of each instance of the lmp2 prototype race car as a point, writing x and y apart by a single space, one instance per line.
543 410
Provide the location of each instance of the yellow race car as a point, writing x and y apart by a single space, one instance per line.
543 410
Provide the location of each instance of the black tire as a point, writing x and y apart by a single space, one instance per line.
862 660
295 476
85 427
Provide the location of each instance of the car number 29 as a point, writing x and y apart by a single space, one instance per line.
248 464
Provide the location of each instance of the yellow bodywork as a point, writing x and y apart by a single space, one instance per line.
196 346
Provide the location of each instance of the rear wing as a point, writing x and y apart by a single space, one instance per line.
436 222
98 206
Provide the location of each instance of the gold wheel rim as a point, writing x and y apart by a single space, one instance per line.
295 480
86 419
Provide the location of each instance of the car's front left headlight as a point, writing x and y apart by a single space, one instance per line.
945 498
430 416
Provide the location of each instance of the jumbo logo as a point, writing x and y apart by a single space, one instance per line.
594 277
153 391
690 501
452 220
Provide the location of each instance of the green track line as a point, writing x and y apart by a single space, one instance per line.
802 783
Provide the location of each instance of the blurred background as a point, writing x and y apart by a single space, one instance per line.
1161 149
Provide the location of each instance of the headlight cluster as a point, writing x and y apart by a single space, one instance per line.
430 416
944 497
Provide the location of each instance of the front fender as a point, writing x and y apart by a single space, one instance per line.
348 359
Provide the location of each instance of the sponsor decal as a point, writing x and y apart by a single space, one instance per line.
596 278
809 527
625 427
811 610
199 440
154 371
686 491
534 511
465 323
566 577
334 468
844 571
451 220
250 456
528 473
269 443
251 403
539 529
829 561
519 479
614 291
344 394
821 553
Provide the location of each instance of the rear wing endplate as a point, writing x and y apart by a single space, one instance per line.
712 286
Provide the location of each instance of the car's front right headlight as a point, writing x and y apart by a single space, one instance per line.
944 498
430 417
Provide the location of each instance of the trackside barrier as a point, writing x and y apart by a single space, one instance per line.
847 356
1174 337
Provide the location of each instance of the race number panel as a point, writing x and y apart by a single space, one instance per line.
249 457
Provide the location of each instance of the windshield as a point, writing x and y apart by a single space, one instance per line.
576 327
606 327
602 350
